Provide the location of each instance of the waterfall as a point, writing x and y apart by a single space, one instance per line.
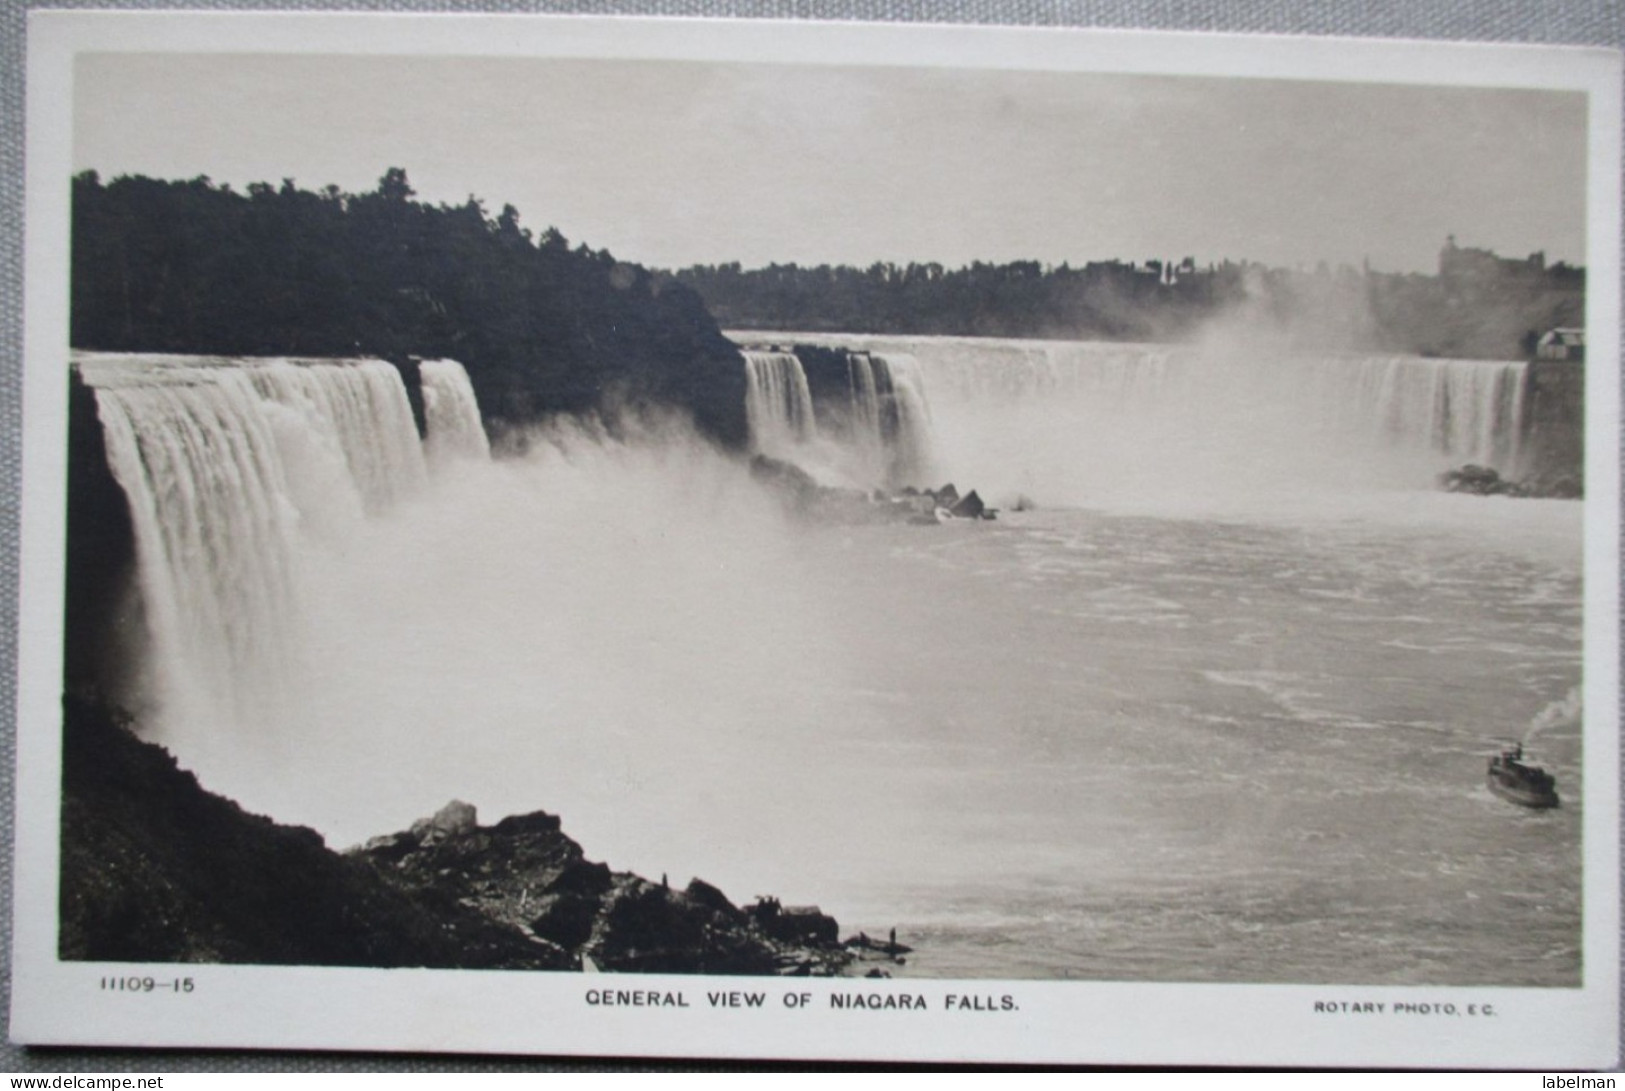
360 403
224 464
859 420
778 403
865 397
451 415
209 502
1470 410
1084 422
904 417
1465 410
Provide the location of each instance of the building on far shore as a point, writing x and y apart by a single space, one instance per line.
1459 263
1562 343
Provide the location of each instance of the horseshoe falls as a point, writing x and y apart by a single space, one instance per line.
1096 423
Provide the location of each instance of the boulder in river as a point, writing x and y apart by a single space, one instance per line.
1478 480
970 506
1487 481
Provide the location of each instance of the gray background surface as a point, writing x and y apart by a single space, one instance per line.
1573 22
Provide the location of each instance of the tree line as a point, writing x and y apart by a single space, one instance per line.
541 326
1015 299
1318 308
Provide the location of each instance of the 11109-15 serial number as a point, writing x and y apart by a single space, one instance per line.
146 984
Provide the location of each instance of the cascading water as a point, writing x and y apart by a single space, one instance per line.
863 426
1086 422
905 417
363 405
451 414
213 518
778 403
862 420
1468 409
865 413
225 463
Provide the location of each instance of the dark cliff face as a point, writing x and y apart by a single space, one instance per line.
156 869
1554 421
99 604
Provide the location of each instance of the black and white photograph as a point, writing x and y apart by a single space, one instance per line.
786 540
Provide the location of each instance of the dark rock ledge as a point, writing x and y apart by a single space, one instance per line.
156 869
526 875
805 497
1487 481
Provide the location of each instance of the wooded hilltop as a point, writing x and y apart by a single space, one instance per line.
541 327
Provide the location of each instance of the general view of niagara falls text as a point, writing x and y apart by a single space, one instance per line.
887 523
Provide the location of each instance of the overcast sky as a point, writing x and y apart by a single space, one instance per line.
670 163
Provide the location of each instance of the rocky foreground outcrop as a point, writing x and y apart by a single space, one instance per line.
525 874
156 869
1487 481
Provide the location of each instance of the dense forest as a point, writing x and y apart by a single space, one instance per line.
195 267
1487 307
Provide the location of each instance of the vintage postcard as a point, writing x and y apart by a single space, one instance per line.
761 540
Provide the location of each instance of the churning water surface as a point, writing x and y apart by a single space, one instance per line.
1152 748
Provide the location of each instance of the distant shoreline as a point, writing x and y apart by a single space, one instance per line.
1478 305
